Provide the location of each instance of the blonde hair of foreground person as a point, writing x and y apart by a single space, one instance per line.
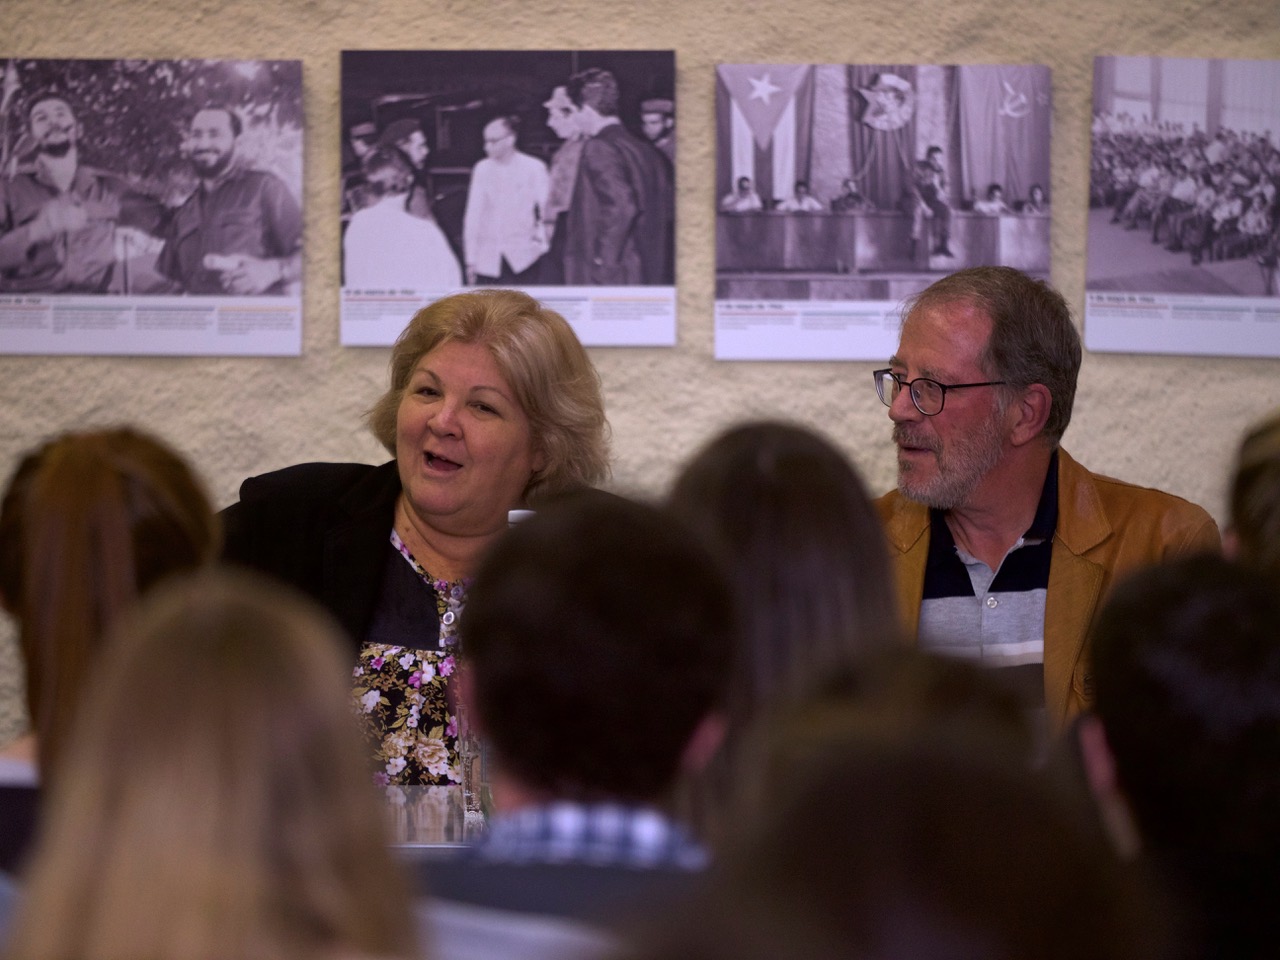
89 522
216 801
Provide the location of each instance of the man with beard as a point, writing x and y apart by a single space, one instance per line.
1004 546
58 219
240 231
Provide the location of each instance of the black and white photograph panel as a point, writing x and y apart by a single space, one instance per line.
1184 170
867 181
519 168
149 177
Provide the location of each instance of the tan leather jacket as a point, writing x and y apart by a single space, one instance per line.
1106 529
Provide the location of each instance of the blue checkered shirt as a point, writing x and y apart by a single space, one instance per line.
600 834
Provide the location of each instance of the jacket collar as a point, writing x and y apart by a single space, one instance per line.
1082 521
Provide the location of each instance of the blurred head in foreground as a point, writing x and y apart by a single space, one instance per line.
216 801
790 518
597 642
89 522
916 833
1186 666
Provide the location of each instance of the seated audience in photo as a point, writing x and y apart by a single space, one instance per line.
1179 198
851 200
802 201
386 247
1183 749
89 522
900 821
791 520
1185 226
1253 534
1196 189
1252 230
743 199
215 801
1036 202
597 642
1154 181
993 204
1227 208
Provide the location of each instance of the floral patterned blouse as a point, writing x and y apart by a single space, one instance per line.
402 695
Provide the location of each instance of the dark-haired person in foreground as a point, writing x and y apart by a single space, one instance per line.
898 819
596 643
1004 546
1183 748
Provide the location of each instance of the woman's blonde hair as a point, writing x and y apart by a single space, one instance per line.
543 362
216 802
90 521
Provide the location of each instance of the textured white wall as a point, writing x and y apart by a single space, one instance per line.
1165 421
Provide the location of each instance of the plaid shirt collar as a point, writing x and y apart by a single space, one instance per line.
599 834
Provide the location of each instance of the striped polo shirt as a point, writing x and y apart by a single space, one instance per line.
995 616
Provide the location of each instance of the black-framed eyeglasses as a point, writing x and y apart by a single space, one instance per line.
929 396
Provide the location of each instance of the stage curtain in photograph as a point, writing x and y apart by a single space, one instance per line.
764 125
1004 116
881 159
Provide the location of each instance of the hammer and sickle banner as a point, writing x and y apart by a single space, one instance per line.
766 110
1005 113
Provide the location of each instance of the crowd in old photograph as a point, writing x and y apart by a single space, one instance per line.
1212 197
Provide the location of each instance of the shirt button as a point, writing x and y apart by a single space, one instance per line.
992 603
448 618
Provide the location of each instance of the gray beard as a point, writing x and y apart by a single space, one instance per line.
959 471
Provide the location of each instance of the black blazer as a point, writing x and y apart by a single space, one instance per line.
323 528
19 816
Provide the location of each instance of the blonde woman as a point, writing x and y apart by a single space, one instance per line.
215 801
